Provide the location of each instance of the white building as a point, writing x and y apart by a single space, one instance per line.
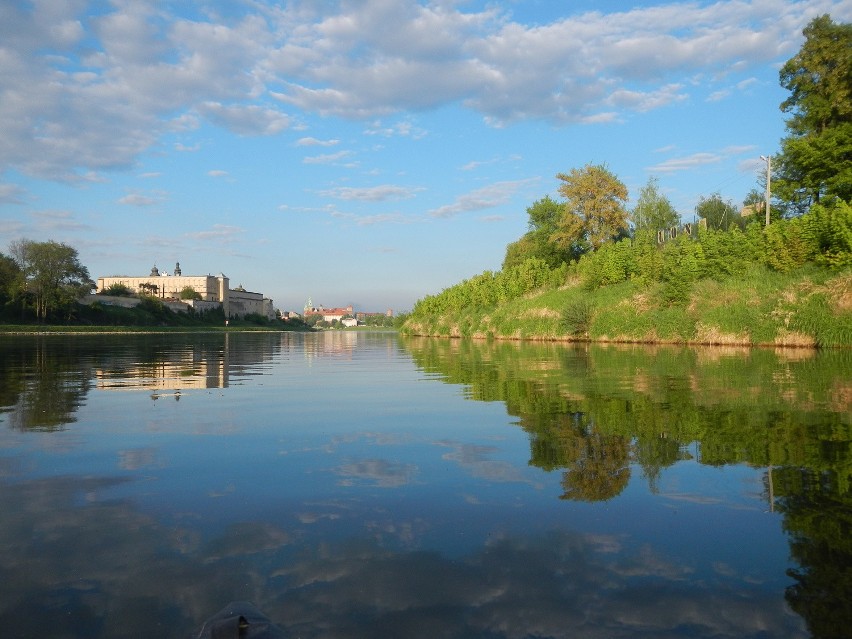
214 291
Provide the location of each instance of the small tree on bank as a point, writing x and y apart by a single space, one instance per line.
189 293
653 211
594 210
53 276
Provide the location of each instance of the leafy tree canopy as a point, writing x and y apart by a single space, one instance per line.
594 211
11 277
721 215
544 216
816 157
653 211
54 277
189 293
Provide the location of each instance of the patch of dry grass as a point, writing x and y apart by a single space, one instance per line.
793 338
705 334
540 313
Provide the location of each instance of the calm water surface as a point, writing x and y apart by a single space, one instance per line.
365 485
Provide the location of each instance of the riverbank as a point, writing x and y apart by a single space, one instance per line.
810 308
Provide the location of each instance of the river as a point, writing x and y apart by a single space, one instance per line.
362 484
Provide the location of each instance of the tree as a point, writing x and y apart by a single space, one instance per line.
720 215
11 280
816 157
189 293
543 218
53 275
594 211
653 211
118 289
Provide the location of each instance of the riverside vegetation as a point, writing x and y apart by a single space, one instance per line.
589 269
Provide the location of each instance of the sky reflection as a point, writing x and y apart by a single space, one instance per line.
349 490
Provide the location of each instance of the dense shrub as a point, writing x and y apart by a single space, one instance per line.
118 289
829 229
577 317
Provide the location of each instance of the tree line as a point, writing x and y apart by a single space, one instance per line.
591 233
41 281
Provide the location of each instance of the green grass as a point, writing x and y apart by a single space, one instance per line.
756 307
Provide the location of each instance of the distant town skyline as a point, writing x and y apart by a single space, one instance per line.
368 153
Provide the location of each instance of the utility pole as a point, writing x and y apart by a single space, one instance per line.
768 161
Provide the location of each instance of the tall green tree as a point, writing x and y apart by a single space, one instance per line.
720 214
653 211
816 156
11 285
54 278
536 243
594 211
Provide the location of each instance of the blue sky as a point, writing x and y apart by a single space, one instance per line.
367 152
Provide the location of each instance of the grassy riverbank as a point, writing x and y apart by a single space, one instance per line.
808 307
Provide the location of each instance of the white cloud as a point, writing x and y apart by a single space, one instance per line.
309 141
185 148
383 218
686 163
483 198
11 194
140 199
401 129
51 220
379 193
329 158
219 232
89 91
246 119
217 173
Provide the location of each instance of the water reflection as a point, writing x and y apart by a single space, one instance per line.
156 580
595 411
45 379
542 490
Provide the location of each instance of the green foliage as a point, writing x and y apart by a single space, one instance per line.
594 212
789 245
829 229
118 290
727 253
53 276
577 316
814 162
653 211
543 216
256 318
11 287
189 293
490 288
612 263
682 264
815 316
720 214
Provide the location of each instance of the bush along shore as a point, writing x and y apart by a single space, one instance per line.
715 287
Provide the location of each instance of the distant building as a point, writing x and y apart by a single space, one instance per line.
214 291
363 315
327 314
